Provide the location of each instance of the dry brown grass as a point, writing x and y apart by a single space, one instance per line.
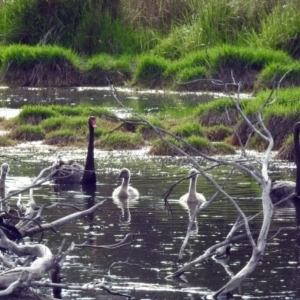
156 14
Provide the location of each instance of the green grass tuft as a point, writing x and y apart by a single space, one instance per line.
28 132
61 137
121 141
35 114
150 69
188 129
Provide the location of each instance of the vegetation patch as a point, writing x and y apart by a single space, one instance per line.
103 68
221 148
40 66
64 137
150 70
219 111
189 129
218 132
274 71
160 147
6 141
287 151
201 144
35 114
28 132
121 141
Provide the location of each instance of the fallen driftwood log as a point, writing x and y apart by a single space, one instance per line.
42 261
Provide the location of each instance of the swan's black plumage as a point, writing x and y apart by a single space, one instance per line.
71 172
89 176
10 230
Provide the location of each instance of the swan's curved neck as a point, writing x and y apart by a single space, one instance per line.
89 175
192 188
90 154
297 157
2 180
125 183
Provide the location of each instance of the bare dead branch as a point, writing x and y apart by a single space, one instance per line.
63 220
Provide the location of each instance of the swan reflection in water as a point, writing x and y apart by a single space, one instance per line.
125 196
192 200
192 207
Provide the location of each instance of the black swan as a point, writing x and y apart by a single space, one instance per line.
281 189
71 172
10 230
124 190
192 195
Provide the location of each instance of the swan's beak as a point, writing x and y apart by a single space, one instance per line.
93 123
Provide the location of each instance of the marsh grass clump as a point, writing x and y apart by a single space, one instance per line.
150 70
243 63
53 123
47 65
189 129
221 148
279 117
199 143
228 56
222 62
63 137
27 132
272 73
69 111
120 141
160 147
104 67
287 103
218 132
190 74
34 114
147 131
6 141
287 150
216 112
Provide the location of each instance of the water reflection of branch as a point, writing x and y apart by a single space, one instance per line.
92 286
121 263
224 264
113 246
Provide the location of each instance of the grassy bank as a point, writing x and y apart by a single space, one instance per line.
256 69
157 44
199 126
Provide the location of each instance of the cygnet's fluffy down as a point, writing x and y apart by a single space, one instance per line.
192 195
124 190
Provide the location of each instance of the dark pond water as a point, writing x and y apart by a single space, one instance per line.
140 269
